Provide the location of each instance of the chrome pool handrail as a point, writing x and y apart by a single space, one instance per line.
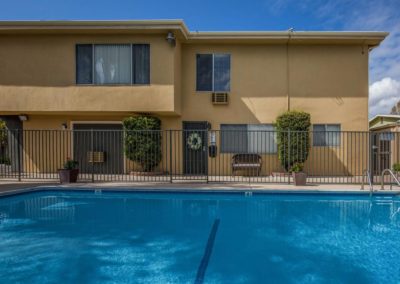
371 187
392 174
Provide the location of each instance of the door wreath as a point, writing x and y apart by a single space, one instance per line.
194 141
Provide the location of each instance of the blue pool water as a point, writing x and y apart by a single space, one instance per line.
83 237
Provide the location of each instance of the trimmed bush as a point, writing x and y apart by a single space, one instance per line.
143 141
293 137
3 143
5 160
396 167
3 134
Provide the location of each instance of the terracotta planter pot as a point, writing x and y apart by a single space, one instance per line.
68 176
299 178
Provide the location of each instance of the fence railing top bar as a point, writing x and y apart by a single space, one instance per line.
202 130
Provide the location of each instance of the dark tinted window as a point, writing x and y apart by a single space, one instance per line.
84 64
141 64
204 72
234 138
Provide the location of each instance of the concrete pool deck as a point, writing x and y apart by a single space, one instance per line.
9 188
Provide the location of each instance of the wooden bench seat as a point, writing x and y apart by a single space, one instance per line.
246 161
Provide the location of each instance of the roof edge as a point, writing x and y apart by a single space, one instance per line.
372 38
385 115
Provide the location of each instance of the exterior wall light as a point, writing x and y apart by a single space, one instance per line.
213 140
64 126
171 39
23 117
212 148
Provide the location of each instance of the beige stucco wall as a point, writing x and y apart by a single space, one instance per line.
37 75
258 85
328 81
331 83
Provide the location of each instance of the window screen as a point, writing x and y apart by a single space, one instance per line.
222 70
326 135
252 138
234 138
261 138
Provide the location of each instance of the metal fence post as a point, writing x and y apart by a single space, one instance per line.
370 160
91 152
19 154
170 156
289 160
207 135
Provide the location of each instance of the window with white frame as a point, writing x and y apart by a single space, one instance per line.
213 72
248 138
326 135
112 64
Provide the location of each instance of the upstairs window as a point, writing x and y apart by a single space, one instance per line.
326 135
213 72
112 64
84 64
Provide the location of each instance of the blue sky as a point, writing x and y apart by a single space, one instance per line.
201 15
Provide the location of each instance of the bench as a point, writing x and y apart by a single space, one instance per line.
246 161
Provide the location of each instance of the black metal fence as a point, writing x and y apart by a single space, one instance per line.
198 155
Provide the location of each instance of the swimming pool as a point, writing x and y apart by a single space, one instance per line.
117 237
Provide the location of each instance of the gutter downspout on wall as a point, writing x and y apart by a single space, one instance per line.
290 31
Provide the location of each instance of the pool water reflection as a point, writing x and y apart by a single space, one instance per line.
82 237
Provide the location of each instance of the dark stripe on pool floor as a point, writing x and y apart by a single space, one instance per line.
201 271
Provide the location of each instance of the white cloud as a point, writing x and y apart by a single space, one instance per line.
383 95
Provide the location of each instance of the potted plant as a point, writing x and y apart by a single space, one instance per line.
69 173
299 177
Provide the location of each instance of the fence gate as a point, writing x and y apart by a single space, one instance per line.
381 151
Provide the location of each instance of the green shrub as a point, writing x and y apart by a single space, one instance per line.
5 160
70 164
293 137
3 134
3 144
143 141
396 167
297 167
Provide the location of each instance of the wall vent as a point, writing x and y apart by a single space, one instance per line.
219 98
95 157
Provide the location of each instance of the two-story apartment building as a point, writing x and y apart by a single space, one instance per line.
68 75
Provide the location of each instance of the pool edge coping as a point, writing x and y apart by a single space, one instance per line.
187 189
